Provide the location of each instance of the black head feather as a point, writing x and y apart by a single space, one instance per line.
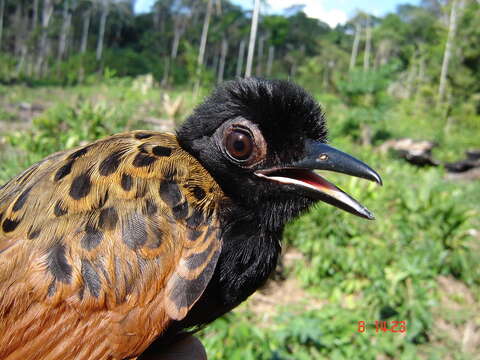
286 116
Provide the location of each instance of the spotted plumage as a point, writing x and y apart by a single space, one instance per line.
91 260
117 248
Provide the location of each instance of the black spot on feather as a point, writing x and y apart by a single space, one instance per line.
162 151
110 164
59 210
81 186
91 278
92 238
180 211
126 182
199 193
78 153
58 265
108 219
9 225
170 193
64 171
150 207
141 136
142 160
33 233
103 199
21 200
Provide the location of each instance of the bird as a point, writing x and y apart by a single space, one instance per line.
119 247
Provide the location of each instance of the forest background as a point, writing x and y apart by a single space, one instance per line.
72 71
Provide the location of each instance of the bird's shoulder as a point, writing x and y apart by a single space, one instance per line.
126 222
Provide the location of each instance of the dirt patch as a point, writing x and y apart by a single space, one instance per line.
281 291
457 319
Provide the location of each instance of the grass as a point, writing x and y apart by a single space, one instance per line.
418 262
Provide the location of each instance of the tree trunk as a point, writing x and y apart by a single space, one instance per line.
203 44
293 70
21 62
43 43
101 32
241 56
253 36
356 42
166 72
223 56
85 29
176 43
34 22
2 11
261 42
412 74
18 29
368 46
169 63
452 28
67 18
271 55
325 77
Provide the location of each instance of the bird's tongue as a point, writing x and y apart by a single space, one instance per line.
323 190
303 177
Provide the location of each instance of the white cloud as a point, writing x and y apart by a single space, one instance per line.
314 9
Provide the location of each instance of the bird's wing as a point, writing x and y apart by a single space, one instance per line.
103 246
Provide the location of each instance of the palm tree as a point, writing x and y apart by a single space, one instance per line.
66 23
104 10
43 43
2 11
203 44
86 8
452 28
253 36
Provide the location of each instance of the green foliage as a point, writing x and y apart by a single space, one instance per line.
7 68
64 127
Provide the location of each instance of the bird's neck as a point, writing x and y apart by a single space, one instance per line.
250 252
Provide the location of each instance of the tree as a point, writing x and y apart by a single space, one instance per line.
203 44
368 44
64 32
223 57
356 42
253 36
241 56
43 43
452 28
86 19
2 11
105 7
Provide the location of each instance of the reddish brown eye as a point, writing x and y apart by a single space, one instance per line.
239 144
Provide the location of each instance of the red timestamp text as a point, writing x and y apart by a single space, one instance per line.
383 326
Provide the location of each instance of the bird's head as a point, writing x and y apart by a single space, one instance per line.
262 140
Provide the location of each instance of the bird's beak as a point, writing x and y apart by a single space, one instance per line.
320 156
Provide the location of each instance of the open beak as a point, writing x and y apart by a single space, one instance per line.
323 157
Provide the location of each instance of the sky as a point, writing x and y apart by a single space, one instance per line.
332 12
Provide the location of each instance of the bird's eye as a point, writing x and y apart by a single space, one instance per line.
239 144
